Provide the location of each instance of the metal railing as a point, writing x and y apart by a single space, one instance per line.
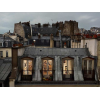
47 75
88 74
68 74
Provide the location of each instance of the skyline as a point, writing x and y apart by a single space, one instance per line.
85 20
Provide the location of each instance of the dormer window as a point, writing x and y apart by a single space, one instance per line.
26 69
88 68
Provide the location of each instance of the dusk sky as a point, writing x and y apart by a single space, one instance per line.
85 19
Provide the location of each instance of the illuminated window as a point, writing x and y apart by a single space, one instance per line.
27 67
47 69
88 69
67 73
87 66
67 67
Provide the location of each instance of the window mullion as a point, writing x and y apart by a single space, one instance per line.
47 67
27 67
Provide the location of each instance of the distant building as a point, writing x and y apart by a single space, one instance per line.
54 54
82 30
6 43
95 29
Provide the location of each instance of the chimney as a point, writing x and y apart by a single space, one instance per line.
14 57
13 75
9 31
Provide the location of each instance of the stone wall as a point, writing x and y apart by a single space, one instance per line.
18 28
68 27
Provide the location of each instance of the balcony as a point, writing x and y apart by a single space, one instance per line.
68 75
88 74
26 77
47 75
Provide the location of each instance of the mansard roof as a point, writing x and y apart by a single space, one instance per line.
56 51
27 29
44 30
2 38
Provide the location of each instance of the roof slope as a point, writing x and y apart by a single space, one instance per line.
5 69
56 51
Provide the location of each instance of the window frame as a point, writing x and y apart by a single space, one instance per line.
22 61
68 58
87 59
47 58
70 73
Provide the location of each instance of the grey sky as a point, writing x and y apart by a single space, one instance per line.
84 19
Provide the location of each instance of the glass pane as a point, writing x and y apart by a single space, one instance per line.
50 73
24 64
29 65
85 64
90 64
45 73
44 64
70 66
65 67
50 64
29 72
65 72
24 72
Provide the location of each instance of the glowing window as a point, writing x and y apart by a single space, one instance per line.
27 67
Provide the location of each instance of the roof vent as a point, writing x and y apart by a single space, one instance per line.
75 50
40 50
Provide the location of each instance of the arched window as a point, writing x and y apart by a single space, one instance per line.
26 69
47 69
88 68
67 64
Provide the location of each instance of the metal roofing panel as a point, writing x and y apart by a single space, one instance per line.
2 67
1 61
56 51
5 76
50 51
6 70
7 66
1 75
36 52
